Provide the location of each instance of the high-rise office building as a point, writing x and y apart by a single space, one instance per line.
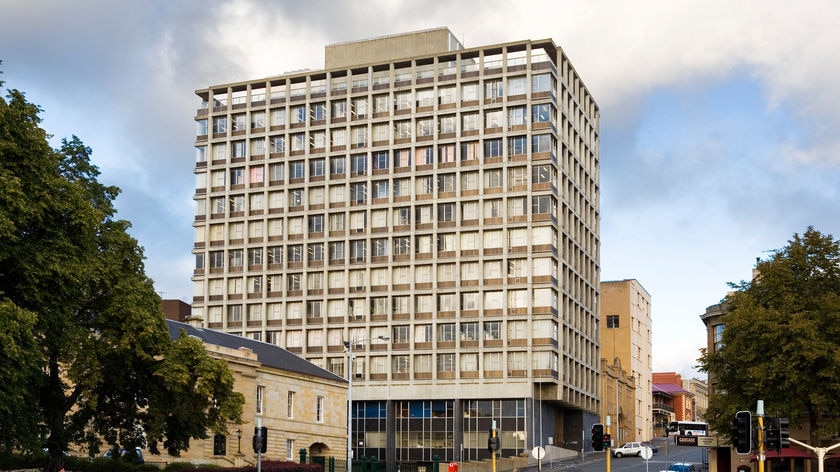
442 197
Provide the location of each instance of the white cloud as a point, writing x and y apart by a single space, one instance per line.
719 119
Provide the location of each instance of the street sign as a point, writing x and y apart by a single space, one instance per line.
646 453
538 453
687 440
707 441
702 441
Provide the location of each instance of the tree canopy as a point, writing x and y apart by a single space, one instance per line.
82 336
781 339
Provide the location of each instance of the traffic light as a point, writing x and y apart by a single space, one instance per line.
742 432
607 441
772 439
784 432
598 437
261 439
492 444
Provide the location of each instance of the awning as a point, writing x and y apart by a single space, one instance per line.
787 453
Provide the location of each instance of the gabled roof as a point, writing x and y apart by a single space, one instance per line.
670 388
268 354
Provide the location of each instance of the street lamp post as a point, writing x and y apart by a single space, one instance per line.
239 441
349 346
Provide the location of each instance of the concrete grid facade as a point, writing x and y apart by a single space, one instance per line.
445 197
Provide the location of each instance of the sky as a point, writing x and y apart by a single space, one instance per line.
719 120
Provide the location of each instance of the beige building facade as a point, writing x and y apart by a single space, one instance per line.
443 197
303 406
618 400
626 335
699 388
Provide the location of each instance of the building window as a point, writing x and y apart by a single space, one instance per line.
319 409
295 253
359 164
447 124
337 165
718 337
217 259
446 212
337 250
278 144
469 121
220 125
612 321
316 224
380 160
255 257
236 257
516 86
258 119
379 247
299 114
313 309
260 396
278 117
543 174
239 149
316 168
358 192
290 449
542 83
446 183
543 204
316 251
446 363
235 314
297 170
402 245
237 176
401 334
290 405
380 189
493 148
401 364
339 109
469 151
425 127
402 158
542 113
318 112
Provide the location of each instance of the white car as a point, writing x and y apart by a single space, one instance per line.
629 449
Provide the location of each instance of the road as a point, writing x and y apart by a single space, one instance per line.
596 461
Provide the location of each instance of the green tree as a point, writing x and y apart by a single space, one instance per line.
781 341
94 352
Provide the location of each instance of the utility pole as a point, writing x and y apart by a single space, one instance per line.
493 445
607 448
759 412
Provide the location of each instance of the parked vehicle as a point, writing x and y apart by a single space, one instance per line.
138 453
628 449
653 447
680 467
